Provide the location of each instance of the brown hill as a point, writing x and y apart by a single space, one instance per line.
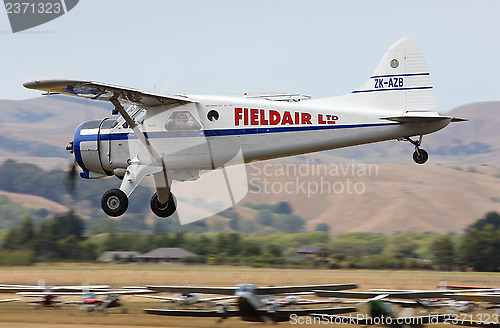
392 198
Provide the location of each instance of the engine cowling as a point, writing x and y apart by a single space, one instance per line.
90 145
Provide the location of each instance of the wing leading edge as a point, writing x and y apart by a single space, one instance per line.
106 92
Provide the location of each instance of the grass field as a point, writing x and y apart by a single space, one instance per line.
19 314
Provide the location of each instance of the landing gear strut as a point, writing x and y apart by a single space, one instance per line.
114 202
420 156
163 210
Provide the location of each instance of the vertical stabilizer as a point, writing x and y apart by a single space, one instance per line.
400 83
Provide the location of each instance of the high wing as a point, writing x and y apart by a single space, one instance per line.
75 293
33 289
10 300
417 294
258 290
199 290
42 294
345 294
106 92
492 298
301 289
173 299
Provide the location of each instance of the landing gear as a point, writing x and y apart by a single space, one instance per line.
163 210
114 202
420 156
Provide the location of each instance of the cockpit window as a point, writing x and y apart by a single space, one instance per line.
139 116
182 120
246 287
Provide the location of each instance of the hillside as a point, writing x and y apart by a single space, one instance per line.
401 197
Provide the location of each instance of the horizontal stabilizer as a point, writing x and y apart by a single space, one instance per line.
422 119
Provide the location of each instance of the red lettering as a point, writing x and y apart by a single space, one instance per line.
320 119
287 118
254 116
335 118
297 121
274 117
237 116
263 120
306 118
245 121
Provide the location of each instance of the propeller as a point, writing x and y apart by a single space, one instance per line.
71 175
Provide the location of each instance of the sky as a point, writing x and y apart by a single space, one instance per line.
318 48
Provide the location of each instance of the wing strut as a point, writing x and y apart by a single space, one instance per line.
136 171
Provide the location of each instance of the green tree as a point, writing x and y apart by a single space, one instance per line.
88 250
250 248
283 208
12 240
443 252
322 227
265 217
45 241
27 232
273 250
481 248
289 223
69 224
492 218
401 245
70 248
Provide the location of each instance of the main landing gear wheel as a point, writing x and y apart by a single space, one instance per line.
163 210
114 202
420 156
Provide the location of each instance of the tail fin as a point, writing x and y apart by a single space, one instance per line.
400 83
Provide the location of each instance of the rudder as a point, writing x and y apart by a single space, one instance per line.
400 83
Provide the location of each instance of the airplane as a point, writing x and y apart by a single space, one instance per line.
175 137
255 304
89 302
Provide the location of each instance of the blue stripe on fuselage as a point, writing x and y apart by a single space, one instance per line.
76 146
228 132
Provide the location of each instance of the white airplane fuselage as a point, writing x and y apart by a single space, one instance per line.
261 129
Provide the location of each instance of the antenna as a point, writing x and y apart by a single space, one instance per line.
166 83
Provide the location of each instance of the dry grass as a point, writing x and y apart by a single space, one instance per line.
17 315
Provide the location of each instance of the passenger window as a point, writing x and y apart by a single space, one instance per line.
182 120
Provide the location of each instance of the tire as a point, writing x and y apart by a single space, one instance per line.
420 157
114 202
163 210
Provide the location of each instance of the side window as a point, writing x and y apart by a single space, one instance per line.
181 121
139 116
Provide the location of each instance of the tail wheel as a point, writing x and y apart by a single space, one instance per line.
163 210
420 156
114 202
